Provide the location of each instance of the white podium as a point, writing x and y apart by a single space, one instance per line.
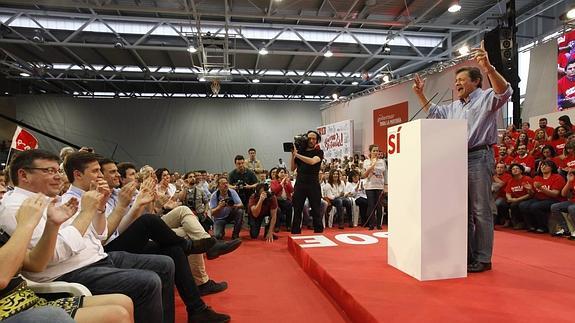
428 198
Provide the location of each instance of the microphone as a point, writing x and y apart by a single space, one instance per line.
426 103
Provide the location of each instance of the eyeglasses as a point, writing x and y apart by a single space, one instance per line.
45 170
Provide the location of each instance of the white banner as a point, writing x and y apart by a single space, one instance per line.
337 139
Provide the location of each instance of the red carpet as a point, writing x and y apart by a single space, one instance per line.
266 285
532 280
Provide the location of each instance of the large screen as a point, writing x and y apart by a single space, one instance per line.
566 71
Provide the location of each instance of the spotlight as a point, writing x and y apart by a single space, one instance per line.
455 7
328 52
38 36
119 43
335 96
255 80
192 49
464 50
306 82
263 51
571 14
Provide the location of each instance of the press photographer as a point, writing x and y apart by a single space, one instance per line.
242 179
226 208
306 158
263 207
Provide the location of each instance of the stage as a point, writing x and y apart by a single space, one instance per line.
532 280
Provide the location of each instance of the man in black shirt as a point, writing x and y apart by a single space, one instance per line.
242 180
307 185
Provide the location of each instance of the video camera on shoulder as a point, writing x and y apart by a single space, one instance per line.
300 142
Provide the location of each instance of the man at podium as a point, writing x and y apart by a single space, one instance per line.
479 107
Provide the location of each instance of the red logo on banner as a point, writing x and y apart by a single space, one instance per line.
23 140
384 118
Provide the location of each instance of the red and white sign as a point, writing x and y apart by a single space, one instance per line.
337 139
23 140
384 118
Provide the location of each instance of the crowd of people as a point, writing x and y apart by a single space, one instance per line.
130 235
534 178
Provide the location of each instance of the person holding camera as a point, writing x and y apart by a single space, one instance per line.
226 208
243 180
263 208
306 158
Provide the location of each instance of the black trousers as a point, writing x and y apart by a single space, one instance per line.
311 191
374 207
136 239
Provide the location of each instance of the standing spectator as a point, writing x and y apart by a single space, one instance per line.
283 190
281 164
242 179
373 171
254 164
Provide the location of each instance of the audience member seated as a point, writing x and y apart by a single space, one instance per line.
226 208
557 224
565 121
566 161
525 128
355 189
503 157
336 196
559 139
263 207
78 253
18 303
547 186
500 180
538 143
518 189
282 189
524 159
543 126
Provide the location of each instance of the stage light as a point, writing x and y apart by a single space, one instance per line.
455 7
192 49
306 82
255 80
464 50
571 14
263 51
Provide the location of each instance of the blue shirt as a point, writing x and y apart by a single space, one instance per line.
215 199
480 111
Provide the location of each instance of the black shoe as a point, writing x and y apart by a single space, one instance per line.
341 227
478 267
198 246
571 237
379 227
222 248
211 287
371 228
317 230
208 315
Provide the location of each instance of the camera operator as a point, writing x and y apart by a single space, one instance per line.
242 179
226 208
263 208
307 162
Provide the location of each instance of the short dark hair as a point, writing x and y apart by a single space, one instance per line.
123 167
159 172
473 72
105 161
78 161
25 159
521 167
252 149
570 62
543 119
239 157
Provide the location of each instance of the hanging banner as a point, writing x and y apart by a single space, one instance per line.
337 139
386 117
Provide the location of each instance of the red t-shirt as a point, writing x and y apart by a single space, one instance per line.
527 161
548 131
516 187
506 160
537 152
566 87
267 205
505 177
554 182
558 145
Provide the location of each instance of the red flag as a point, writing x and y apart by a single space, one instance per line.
23 140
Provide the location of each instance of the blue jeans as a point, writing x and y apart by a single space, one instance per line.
556 218
480 166
256 224
340 203
236 216
147 279
44 314
535 213
285 213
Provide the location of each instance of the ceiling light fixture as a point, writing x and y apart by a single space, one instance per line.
455 7
335 96
192 49
306 82
571 14
328 52
385 78
255 80
464 50
386 49
354 83
202 79
24 74
263 51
